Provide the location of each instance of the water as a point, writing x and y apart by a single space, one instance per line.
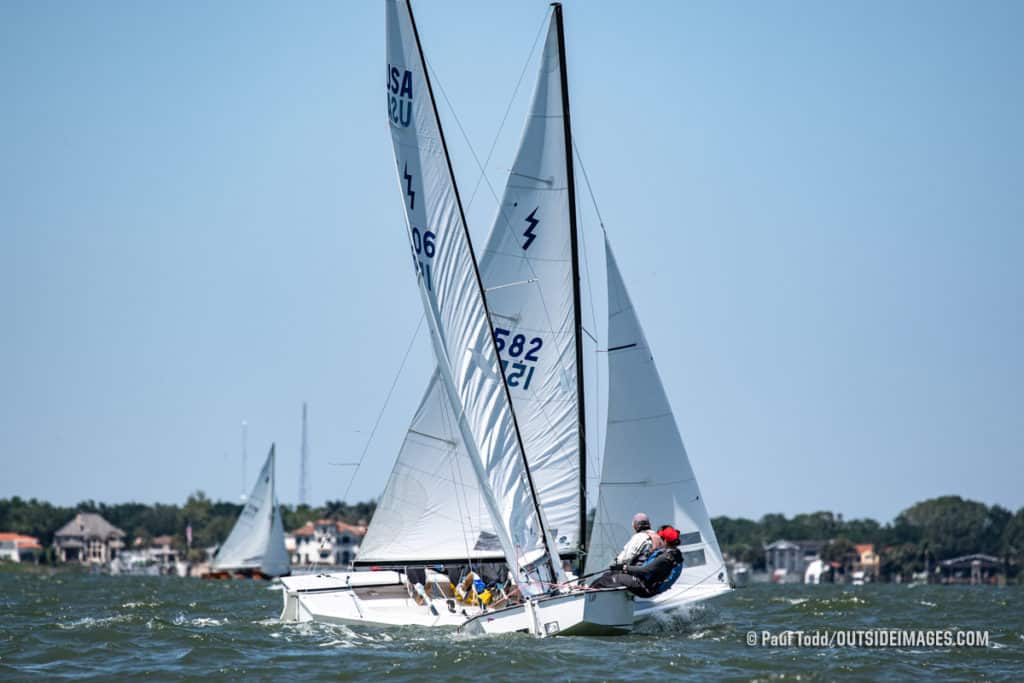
78 626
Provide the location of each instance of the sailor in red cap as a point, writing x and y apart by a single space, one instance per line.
654 576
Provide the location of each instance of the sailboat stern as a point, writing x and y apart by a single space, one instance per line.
593 612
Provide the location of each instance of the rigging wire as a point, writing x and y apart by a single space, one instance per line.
380 415
597 210
592 454
508 109
590 189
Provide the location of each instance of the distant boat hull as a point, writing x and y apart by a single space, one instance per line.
237 574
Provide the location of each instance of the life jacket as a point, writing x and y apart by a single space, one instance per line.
673 575
656 543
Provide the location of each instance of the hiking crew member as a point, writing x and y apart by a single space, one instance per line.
655 575
641 544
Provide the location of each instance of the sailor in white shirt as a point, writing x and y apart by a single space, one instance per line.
641 544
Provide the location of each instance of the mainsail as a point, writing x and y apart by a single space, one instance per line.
645 465
257 540
456 311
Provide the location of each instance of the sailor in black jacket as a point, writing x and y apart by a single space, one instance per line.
645 580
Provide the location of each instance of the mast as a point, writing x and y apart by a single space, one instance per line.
551 554
573 242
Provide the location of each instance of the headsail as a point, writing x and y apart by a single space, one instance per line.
257 539
645 467
431 509
453 300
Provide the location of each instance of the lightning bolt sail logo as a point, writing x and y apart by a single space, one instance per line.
408 186
529 234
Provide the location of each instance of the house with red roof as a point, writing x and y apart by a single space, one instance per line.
19 547
325 542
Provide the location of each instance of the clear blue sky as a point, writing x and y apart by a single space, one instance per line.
818 207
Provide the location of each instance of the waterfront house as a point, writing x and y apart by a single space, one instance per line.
88 539
787 561
973 569
868 561
162 552
19 548
325 542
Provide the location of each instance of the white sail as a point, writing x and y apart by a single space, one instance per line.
432 494
645 466
528 272
431 509
257 540
453 300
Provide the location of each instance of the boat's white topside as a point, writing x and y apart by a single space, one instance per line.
386 598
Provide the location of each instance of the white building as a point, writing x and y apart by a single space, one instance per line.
325 542
19 548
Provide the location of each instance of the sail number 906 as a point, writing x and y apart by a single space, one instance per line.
517 346
424 246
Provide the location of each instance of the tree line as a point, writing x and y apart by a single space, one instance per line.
920 536
211 521
923 534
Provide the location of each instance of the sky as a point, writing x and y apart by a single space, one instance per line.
817 207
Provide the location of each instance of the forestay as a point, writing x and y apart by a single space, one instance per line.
431 509
257 539
645 467
453 300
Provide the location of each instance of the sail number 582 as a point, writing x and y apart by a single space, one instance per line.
516 346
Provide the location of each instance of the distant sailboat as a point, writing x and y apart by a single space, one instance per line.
441 505
255 547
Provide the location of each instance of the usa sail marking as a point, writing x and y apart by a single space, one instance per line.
399 86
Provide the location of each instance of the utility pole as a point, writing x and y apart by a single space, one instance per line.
304 462
245 434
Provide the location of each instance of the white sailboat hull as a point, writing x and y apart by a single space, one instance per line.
383 598
601 612
676 599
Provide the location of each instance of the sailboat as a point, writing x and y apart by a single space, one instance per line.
255 547
474 474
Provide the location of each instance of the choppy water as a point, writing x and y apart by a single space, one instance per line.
76 626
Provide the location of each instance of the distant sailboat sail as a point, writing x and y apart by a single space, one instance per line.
453 299
256 543
645 466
